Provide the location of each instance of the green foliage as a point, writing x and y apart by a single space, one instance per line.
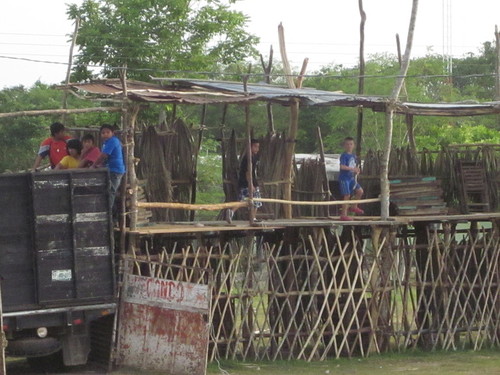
156 35
144 29
474 74
20 136
426 82
210 170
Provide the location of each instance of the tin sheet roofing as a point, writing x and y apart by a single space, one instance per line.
192 91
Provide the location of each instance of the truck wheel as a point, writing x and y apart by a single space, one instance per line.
49 363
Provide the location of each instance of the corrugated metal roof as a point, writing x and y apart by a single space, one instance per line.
192 91
267 92
450 109
142 91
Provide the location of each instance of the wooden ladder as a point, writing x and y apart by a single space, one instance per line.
474 194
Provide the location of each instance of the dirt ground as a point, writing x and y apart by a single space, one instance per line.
417 363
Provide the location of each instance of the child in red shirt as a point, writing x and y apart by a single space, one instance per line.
90 152
53 147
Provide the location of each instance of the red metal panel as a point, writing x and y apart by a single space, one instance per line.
163 325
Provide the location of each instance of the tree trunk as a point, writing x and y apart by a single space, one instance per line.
292 132
269 107
384 168
497 65
361 83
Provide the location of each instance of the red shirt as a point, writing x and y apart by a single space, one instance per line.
55 149
91 155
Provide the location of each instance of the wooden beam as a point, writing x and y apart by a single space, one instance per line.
269 107
497 64
292 131
70 64
49 112
187 206
284 57
361 82
384 168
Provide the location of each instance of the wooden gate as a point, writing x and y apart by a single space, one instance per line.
163 322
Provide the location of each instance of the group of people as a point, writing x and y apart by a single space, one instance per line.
65 152
348 180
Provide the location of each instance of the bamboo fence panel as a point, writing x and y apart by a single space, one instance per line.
167 164
316 293
309 186
441 164
269 172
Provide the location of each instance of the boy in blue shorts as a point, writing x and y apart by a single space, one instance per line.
348 180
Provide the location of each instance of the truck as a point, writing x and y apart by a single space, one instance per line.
57 268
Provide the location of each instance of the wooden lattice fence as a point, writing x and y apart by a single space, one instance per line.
317 293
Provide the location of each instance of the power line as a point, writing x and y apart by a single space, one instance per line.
205 73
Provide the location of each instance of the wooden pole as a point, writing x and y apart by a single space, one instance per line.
497 65
300 78
284 57
269 107
70 64
292 132
409 117
361 82
384 168
49 112
195 164
192 207
400 60
251 208
326 186
3 340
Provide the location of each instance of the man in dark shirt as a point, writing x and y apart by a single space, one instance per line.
244 178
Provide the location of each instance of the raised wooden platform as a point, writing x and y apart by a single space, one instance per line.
222 226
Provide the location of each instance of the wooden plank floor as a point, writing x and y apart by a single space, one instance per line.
222 226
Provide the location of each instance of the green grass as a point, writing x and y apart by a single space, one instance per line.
485 362
443 363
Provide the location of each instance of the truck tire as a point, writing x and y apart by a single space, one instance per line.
33 347
47 364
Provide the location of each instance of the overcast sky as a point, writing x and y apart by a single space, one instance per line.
325 31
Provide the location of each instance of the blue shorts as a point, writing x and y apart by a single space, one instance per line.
245 194
348 187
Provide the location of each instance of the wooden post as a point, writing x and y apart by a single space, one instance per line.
269 107
384 167
400 60
129 118
361 82
409 118
284 57
497 64
195 164
133 111
292 132
68 72
326 186
3 340
251 208
411 134
294 122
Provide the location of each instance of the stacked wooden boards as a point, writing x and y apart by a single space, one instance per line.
417 196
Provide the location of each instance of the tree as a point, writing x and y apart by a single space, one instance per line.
151 36
475 73
20 136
